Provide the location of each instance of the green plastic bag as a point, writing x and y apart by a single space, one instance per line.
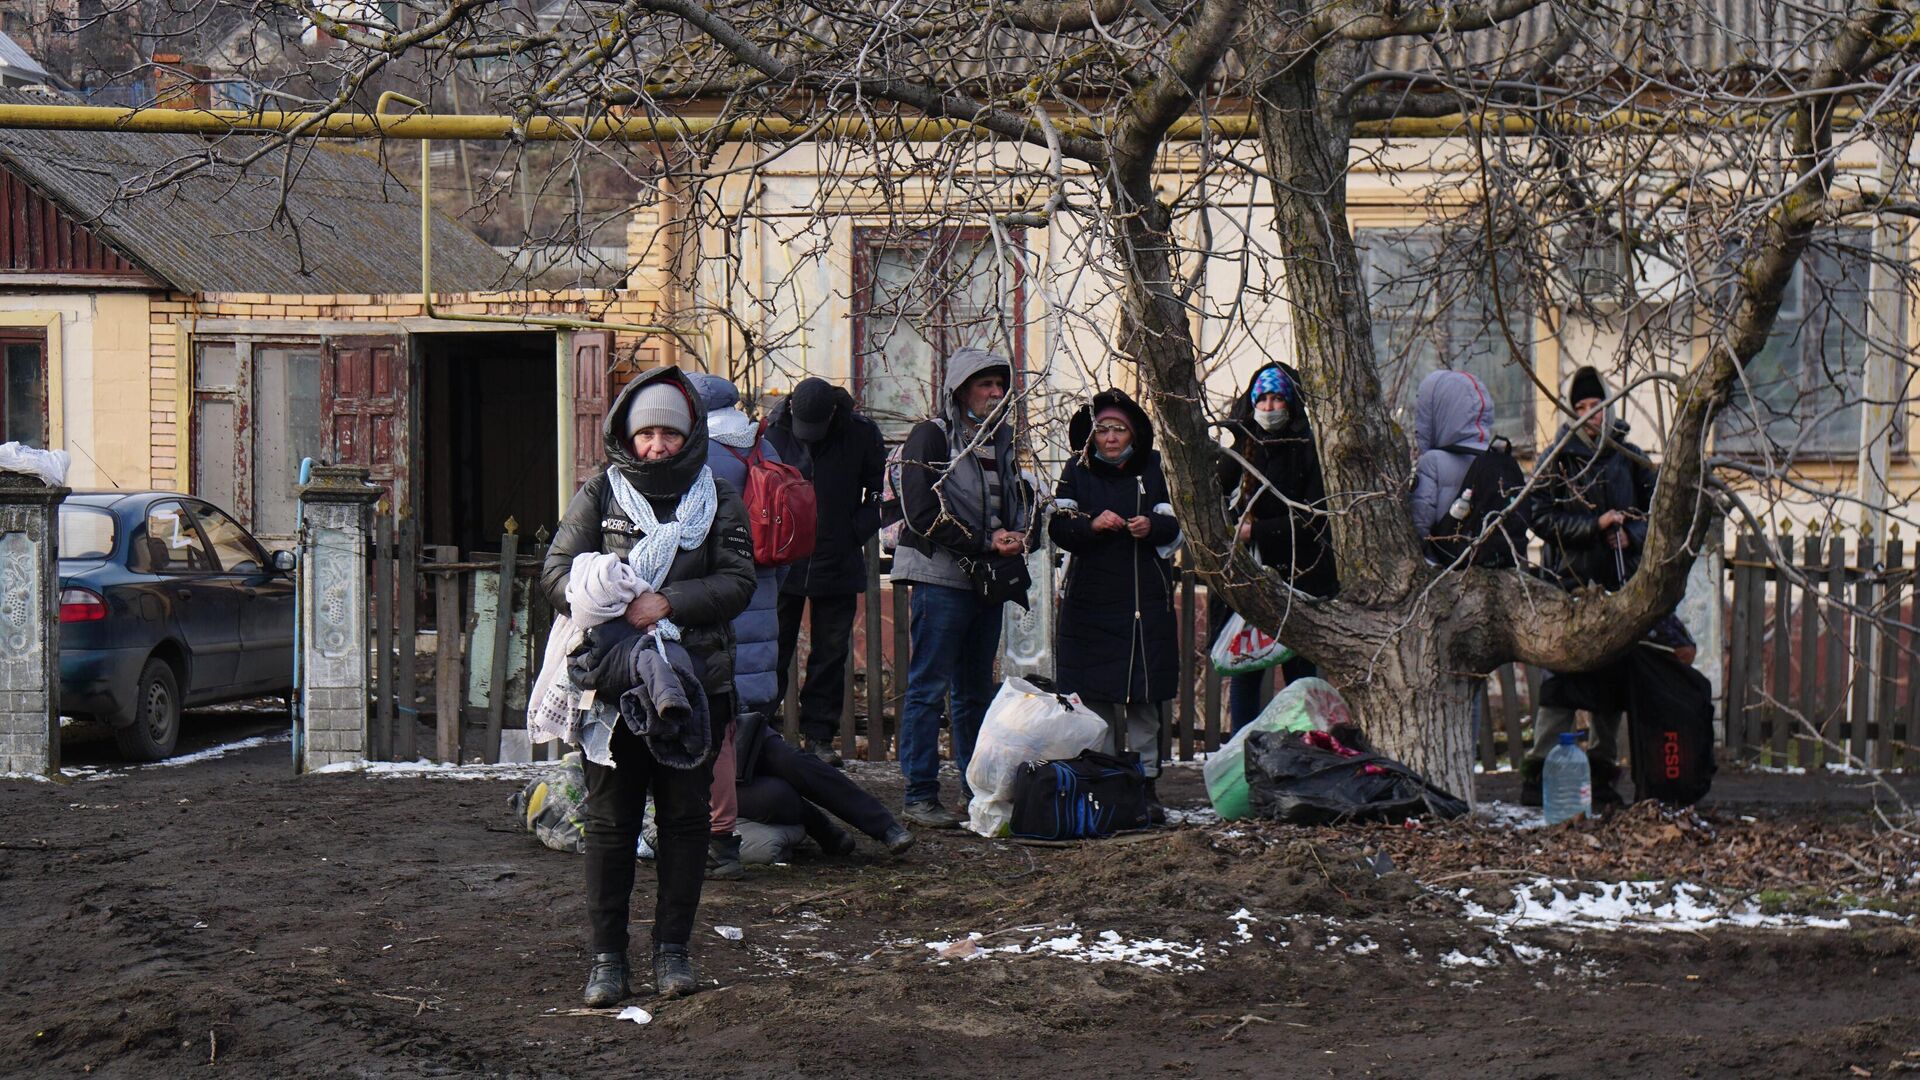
1305 705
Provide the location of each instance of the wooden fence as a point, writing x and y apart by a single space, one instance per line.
459 595
1821 660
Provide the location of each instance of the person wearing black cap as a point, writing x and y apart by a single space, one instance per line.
818 430
1589 506
685 534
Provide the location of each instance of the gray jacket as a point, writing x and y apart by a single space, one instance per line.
1453 409
943 488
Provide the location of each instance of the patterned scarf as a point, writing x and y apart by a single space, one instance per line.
652 554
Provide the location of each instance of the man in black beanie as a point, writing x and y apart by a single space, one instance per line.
1589 506
842 453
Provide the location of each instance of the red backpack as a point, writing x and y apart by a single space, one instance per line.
781 506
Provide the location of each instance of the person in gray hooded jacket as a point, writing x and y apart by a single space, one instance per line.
1453 409
964 503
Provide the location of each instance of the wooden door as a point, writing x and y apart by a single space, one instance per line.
592 358
363 390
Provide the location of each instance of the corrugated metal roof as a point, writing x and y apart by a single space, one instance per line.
1705 37
347 225
17 58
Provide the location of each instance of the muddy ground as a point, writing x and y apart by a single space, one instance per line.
226 918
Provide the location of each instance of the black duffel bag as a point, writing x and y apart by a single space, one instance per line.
1292 780
1093 795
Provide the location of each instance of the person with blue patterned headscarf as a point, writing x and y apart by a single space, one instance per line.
1278 505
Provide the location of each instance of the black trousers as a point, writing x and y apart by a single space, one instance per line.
824 690
819 783
616 811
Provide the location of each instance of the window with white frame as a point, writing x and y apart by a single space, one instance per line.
920 297
256 413
1432 294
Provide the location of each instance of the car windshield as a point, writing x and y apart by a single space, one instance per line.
85 533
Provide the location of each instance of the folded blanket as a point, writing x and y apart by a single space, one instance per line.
599 588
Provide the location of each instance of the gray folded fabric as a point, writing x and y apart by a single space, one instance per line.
666 704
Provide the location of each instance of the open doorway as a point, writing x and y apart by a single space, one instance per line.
488 438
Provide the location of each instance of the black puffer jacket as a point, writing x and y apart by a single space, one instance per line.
1293 542
1117 639
1582 482
846 469
706 586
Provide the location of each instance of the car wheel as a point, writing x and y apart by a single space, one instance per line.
156 715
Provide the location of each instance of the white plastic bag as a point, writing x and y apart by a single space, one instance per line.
48 465
1305 705
1024 723
1241 649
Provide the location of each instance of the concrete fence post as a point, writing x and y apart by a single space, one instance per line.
333 615
29 625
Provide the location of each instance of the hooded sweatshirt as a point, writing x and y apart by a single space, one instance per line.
1291 541
756 631
1584 480
706 586
1453 409
954 518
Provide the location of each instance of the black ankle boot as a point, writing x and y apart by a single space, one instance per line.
723 858
672 971
607 980
1156 813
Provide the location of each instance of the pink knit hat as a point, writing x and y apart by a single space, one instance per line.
1114 412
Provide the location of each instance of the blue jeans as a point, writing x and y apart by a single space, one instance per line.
956 637
1244 701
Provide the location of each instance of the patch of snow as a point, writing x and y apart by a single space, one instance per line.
1456 958
1196 816
90 773
1528 954
26 776
1363 946
1505 815
1106 947
1640 905
636 1014
423 769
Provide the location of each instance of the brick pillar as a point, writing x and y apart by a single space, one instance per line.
333 615
29 625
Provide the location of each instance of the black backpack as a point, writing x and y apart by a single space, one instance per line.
1496 481
1670 725
1093 795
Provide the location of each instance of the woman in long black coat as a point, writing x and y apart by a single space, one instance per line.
1117 645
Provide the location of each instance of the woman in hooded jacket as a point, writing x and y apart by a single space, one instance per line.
1113 517
1278 506
656 504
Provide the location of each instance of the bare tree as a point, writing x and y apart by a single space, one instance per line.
1658 171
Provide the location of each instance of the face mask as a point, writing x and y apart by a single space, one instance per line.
1118 459
1272 419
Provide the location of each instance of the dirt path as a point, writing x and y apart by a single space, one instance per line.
226 918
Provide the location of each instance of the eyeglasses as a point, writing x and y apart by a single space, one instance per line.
1112 429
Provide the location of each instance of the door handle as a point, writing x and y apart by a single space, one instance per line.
184 594
250 592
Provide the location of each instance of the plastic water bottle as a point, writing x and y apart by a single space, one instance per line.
1462 506
1566 785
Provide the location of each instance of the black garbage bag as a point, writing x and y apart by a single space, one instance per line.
1670 725
1325 778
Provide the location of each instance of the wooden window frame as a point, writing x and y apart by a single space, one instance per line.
14 335
868 239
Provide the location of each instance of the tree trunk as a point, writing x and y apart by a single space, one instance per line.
1415 704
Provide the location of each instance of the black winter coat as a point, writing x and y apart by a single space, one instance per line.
1578 486
1294 542
706 586
846 469
1117 637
